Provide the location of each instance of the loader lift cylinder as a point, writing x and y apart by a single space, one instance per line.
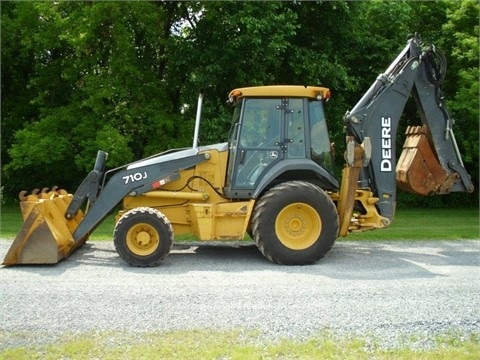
89 187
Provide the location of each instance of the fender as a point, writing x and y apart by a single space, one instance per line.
278 169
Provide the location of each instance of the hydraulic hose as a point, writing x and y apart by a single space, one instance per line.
436 65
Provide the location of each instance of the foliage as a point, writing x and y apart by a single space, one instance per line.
124 76
97 82
462 37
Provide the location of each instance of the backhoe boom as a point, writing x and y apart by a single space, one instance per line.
419 71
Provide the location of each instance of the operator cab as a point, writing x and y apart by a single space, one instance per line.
273 124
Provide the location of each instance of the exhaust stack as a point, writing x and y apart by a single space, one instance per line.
197 120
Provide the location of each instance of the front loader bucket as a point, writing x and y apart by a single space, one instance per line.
418 169
46 235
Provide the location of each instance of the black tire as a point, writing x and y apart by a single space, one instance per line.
143 237
295 223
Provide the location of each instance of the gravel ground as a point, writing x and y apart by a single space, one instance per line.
389 293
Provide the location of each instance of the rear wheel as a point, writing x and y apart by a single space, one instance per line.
143 237
295 223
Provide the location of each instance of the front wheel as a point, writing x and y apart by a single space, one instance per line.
295 223
143 237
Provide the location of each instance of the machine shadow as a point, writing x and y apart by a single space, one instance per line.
347 260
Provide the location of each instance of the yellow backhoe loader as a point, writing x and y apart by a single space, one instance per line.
273 179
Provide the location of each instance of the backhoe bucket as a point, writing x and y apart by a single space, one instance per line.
46 235
418 169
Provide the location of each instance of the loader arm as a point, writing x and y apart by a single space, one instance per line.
437 169
133 179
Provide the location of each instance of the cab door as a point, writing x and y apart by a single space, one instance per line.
266 132
259 143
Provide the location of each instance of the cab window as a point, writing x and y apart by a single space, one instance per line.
320 148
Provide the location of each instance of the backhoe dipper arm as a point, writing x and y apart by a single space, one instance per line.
133 179
376 116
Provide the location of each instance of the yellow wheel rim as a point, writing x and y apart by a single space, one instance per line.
143 239
298 226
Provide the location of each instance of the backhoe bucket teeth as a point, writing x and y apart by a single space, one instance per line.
46 235
418 169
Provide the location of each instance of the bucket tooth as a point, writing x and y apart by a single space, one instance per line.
23 195
43 194
62 192
53 192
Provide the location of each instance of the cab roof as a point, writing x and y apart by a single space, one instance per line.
313 92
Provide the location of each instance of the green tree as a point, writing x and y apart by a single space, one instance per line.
462 37
97 82
16 66
224 45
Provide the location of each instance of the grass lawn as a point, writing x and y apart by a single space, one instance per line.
412 224
11 222
211 344
425 224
